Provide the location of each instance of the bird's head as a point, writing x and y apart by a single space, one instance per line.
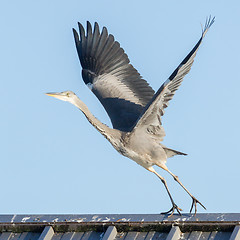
67 96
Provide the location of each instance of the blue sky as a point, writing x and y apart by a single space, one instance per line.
54 161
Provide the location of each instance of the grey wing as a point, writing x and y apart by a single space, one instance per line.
115 82
150 119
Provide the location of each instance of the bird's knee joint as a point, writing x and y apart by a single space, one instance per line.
163 180
176 178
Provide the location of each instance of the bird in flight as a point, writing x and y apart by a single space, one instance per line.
132 105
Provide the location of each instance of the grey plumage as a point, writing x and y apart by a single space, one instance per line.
133 107
105 63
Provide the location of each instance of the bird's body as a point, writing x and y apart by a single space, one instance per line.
133 107
145 149
142 149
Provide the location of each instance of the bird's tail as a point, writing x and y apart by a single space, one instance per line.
170 152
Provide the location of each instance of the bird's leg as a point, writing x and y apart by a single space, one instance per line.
194 200
174 206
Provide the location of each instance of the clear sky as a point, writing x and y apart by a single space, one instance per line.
54 161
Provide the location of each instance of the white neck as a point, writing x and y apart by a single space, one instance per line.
109 133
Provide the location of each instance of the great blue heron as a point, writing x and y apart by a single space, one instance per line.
133 107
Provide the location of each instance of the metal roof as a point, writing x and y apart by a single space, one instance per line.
120 226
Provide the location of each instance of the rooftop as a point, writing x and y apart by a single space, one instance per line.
120 226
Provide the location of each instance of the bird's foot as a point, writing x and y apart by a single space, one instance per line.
194 204
174 207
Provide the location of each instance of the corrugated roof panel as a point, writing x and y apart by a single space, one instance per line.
120 227
15 236
131 236
152 235
68 236
20 236
120 235
236 233
222 235
159 236
174 234
194 235
199 235
110 234
30 236
92 235
57 236
77 235
5 235
141 235
47 233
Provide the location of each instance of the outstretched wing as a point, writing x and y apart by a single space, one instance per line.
115 82
150 119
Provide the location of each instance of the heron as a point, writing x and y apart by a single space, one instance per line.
133 107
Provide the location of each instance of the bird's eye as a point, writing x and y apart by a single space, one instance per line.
68 94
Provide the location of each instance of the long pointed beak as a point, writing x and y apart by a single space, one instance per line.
58 95
64 96
53 94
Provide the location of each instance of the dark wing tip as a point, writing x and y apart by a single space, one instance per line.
89 28
105 31
96 30
96 26
81 30
75 34
209 22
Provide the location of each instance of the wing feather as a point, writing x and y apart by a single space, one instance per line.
115 82
151 116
